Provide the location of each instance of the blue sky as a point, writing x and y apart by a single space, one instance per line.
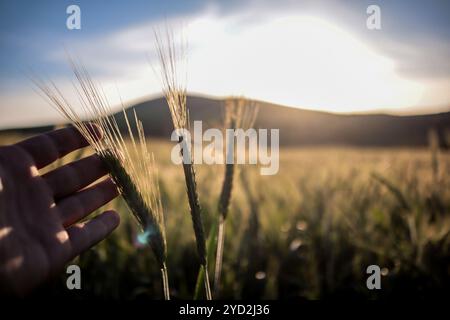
312 54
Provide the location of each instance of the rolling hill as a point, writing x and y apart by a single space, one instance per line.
303 127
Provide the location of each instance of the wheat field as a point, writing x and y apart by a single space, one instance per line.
308 232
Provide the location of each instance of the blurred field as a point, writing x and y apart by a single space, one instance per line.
308 232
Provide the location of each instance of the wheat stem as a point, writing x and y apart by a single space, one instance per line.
196 215
165 281
224 203
206 281
219 255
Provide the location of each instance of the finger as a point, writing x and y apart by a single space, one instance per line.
84 235
74 176
82 203
48 147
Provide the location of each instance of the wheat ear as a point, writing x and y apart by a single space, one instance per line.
131 168
175 94
240 113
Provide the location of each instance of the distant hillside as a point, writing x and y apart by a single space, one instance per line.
304 127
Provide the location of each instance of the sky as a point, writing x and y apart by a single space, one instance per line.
318 54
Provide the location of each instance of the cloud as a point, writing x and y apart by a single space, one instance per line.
424 58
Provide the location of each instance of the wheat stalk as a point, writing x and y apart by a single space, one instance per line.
171 60
131 168
240 113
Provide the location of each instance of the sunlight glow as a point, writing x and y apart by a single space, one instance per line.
4 232
62 236
34 171
13 263
295 60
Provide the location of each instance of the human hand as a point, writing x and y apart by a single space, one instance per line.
39 232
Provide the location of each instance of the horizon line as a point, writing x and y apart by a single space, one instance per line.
437 110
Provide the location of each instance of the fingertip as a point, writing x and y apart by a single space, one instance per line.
95 130
87 234
112 218
112 188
